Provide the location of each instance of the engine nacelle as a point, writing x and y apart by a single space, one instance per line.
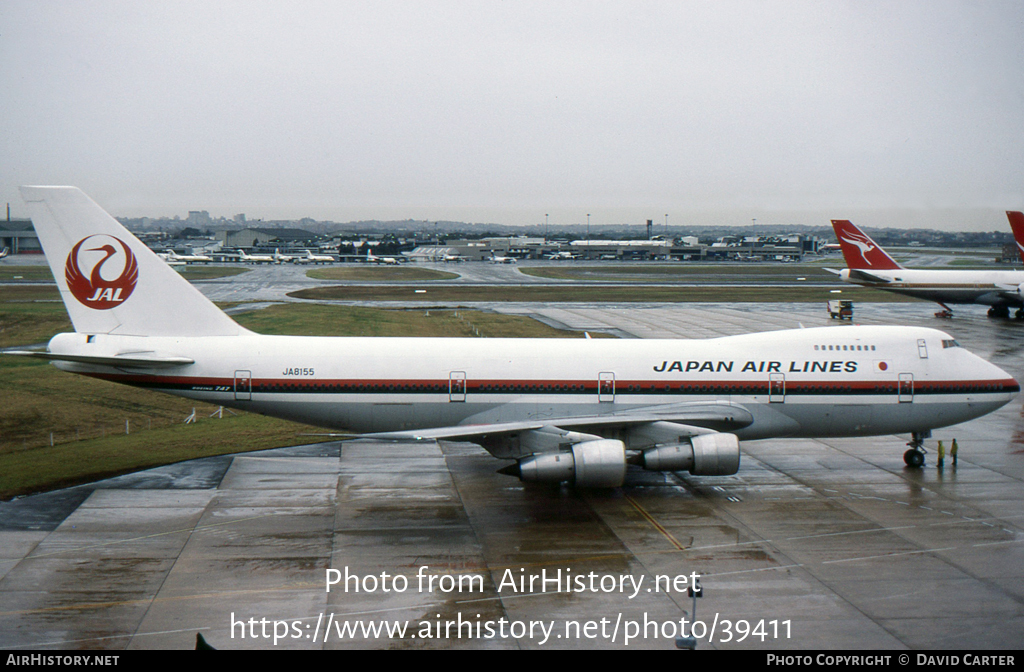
594 464
704 455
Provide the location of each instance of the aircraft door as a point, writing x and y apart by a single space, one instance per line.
906 389
776 388
606 386
457 386
243 385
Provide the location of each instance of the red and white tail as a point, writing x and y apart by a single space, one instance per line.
1017 224
110 281
859 250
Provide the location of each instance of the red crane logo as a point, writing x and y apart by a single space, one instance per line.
96 291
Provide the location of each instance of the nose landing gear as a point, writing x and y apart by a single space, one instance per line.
914 457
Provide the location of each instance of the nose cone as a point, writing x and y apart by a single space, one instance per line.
999 387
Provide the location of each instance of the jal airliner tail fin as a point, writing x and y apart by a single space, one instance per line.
1017 224
110 281
859 250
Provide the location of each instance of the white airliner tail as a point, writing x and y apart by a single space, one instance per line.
110 281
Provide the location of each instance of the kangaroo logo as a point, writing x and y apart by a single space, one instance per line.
862 244
96 291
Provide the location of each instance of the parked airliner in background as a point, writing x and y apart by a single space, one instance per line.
4 252
188 258
561 409
311 258
282 258
255 258
374 259
870 266
495 259
167 259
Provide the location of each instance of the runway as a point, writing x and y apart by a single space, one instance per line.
829 544
276 282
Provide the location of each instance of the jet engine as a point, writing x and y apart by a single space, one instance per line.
600 463
702 455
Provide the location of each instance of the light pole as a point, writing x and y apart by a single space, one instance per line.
545 227
588 235
666 226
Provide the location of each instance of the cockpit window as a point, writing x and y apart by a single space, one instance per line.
949 343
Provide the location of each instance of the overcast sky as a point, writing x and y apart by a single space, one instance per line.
893 113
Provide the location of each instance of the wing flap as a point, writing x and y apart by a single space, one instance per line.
717 416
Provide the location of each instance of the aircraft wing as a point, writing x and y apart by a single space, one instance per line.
137 359
1009 293
834 271
715 415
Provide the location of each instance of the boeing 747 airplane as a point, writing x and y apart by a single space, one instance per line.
557 410
868 265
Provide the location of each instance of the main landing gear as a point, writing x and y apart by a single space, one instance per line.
915 456
1003 313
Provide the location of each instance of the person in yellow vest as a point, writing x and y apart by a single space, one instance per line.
942 454
952 452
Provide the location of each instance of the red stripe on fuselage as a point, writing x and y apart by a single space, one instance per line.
545 386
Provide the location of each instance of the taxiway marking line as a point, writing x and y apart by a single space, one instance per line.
650 519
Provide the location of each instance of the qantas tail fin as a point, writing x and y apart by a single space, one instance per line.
110 281
1017 224
859 250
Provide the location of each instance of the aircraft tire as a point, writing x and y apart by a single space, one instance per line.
914 458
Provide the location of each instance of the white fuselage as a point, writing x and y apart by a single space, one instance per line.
946 286
845 381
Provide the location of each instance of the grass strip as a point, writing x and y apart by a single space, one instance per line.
63 465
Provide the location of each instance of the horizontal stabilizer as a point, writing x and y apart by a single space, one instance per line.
134 359
856 274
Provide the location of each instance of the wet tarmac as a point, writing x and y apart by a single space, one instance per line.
828 543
